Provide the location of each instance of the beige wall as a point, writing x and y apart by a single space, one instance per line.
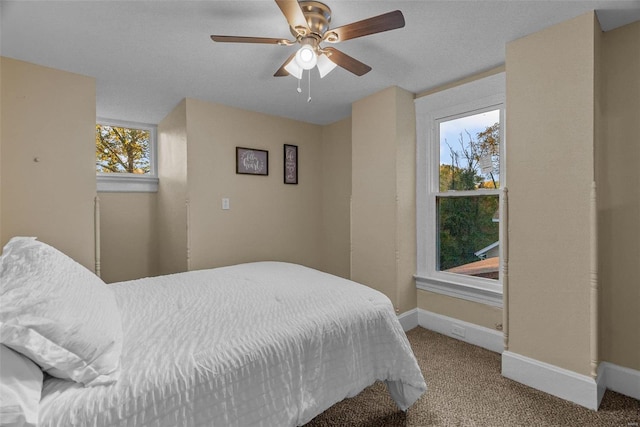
493 71
48 115
383 195
267 219
306 223
618 157
336 198
405 200
468 311
128 237
550 158
172 192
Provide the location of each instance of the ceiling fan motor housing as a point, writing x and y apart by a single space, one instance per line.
318 16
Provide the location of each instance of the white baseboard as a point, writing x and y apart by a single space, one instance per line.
409 319
468 332
568 385
620 379
580 389
565 384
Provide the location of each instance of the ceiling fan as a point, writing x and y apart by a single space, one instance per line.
309 25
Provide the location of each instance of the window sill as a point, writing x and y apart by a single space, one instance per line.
460 290
123 183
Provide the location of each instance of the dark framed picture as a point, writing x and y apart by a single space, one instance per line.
250 161
290 164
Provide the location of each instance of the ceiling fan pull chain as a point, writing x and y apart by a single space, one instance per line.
299 88
309 98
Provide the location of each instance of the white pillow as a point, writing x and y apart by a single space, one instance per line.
20 389
58 313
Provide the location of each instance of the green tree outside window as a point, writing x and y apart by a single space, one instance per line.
122 150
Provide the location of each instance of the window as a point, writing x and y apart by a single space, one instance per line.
460 176
125 156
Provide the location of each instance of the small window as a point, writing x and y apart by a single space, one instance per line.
125 158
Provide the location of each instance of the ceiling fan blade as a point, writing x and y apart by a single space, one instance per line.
292 12
241 39
347 62
281 71
376 24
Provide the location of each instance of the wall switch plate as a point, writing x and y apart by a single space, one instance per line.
225 204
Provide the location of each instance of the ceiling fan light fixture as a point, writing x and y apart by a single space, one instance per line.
325 65
309 24
306 57
294 69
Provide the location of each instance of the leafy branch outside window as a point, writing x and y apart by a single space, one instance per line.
467 174
122 150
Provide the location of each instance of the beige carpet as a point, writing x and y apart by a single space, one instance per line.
466 389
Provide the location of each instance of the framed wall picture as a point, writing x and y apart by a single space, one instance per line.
250 161
290 164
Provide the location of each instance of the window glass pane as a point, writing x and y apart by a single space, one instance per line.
122 150
470 152
468 235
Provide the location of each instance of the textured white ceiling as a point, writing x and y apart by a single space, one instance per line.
146 56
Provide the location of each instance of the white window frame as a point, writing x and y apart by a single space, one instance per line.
129 182
480 95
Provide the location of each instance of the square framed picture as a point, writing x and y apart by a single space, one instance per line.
250 161
290 164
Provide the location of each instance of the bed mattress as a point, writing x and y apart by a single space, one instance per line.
269 344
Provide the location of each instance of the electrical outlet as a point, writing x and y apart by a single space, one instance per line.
458 331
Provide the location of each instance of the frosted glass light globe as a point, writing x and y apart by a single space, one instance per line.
306 57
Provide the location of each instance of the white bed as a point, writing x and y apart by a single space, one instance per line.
268 343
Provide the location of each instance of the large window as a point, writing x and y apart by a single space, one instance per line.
125 156
466 201
460 176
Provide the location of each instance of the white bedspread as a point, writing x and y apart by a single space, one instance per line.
269 343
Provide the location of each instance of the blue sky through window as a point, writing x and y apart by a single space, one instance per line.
450 132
